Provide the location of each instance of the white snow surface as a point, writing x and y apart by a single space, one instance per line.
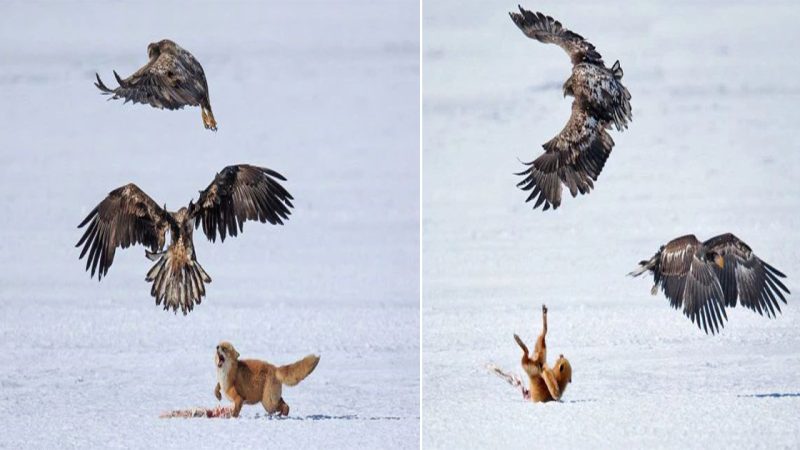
326 93
713 147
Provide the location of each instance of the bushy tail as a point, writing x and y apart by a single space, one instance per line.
291 374
178 280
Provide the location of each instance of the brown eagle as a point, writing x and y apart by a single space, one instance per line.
578 153
171 79
706 277
128 216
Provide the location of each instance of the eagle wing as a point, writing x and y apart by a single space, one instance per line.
545 29
575 157
746 278
171 81
127 216
688 280
240 193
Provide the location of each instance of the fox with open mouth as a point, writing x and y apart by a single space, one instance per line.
250 381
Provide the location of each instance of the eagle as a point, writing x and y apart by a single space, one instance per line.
128 216
578 153
706 277
171 79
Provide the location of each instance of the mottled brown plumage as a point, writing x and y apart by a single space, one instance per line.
128 216
576 156
706 277
171 79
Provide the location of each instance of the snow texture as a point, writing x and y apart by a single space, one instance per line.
713 147
326 93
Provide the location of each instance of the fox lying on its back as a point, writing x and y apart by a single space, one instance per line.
546 384
252 381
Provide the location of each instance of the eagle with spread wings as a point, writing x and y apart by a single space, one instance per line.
576 156
128 216
706 277
171 79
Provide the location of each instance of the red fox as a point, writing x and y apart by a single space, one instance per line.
546 384
252 381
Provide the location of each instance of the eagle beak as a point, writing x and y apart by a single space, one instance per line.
720 261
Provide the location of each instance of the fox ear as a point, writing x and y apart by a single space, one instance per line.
235 354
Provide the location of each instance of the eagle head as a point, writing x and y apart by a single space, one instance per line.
153 50
182 214
716 258
162 46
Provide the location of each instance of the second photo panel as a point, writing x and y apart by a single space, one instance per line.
609 236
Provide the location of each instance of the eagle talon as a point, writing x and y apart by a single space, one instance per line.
208 120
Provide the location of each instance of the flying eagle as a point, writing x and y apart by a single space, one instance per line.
128 216
171 79
578 153
706 277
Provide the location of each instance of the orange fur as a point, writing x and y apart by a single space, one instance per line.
251 381
546 384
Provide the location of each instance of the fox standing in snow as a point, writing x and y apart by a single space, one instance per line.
252 381
546 384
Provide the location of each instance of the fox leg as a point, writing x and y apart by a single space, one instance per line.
272 400
283 408
217 392
530 366
237 401
551 382
540 351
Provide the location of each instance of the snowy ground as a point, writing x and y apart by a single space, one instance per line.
713 148
324 92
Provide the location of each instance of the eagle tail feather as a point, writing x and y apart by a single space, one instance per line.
178 281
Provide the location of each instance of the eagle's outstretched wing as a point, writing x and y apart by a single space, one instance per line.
545 29
127 216
171 81
240 193
575 157
746 278
688 280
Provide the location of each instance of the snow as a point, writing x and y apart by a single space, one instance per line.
325 93
712 148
